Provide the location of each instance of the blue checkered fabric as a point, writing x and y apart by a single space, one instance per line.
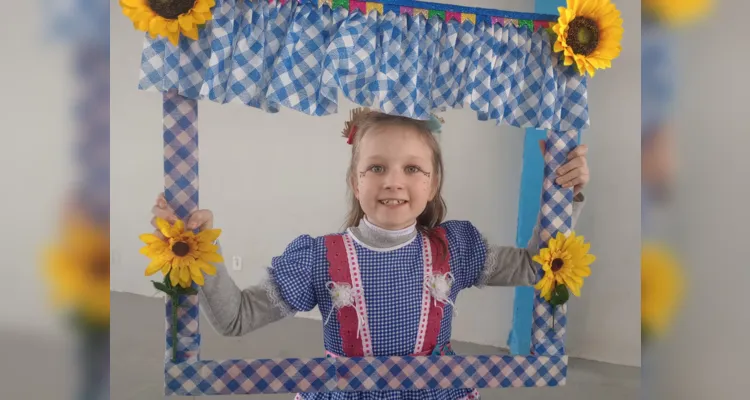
300 55
366 377
556 216
393 284
180 153
81 22
188 329
181 192
92 131
84 25
658 74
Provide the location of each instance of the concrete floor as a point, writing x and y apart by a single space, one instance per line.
137 356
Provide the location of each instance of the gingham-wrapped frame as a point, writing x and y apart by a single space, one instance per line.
192 376
189 375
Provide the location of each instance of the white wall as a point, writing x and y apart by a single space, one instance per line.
286 174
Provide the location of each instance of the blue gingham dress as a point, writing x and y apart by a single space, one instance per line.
393 285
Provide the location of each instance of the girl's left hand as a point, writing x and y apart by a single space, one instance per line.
575 172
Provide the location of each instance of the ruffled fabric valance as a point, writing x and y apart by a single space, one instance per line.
301 53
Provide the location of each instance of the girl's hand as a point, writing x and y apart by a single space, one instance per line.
201 219
575 172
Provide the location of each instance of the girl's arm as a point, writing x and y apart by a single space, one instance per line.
235 312
513 266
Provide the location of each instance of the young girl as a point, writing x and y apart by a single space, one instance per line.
386 286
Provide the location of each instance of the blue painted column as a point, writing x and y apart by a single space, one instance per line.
529 203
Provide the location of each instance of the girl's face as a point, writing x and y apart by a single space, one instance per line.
395 177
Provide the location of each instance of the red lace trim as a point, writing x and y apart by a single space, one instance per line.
344 268
439 263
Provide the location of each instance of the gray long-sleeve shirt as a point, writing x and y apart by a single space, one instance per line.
234 312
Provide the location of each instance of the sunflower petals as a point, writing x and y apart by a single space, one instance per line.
132 3
159 26
207 247
195 274
575 289
186 22
212 257
184 273
154 266
174 38
202 6
545 286
583 271
174 276
209 235
149 238
206 267
150 252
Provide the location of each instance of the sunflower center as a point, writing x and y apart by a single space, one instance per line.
100 268
180 249
170 9
583 35
557 264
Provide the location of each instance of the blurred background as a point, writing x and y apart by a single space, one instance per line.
54 319
54 315
694 164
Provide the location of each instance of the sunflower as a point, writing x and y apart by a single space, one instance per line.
180 254
676 12
588 34
168 18
662 286
565 261
77 270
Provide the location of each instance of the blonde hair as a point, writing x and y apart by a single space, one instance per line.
435 211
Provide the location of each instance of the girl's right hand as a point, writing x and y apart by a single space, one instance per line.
201 219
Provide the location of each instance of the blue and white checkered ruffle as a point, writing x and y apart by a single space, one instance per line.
300 55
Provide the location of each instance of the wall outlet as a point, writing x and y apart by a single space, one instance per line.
237 263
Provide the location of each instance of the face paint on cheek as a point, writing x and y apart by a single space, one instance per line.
426 185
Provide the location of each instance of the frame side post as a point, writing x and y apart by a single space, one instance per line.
556 216
181 192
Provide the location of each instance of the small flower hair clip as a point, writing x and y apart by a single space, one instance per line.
435 124
350 127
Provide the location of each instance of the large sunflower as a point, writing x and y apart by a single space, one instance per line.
168 18
565 261
77 269
181 255
662 288
588 34
679 12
